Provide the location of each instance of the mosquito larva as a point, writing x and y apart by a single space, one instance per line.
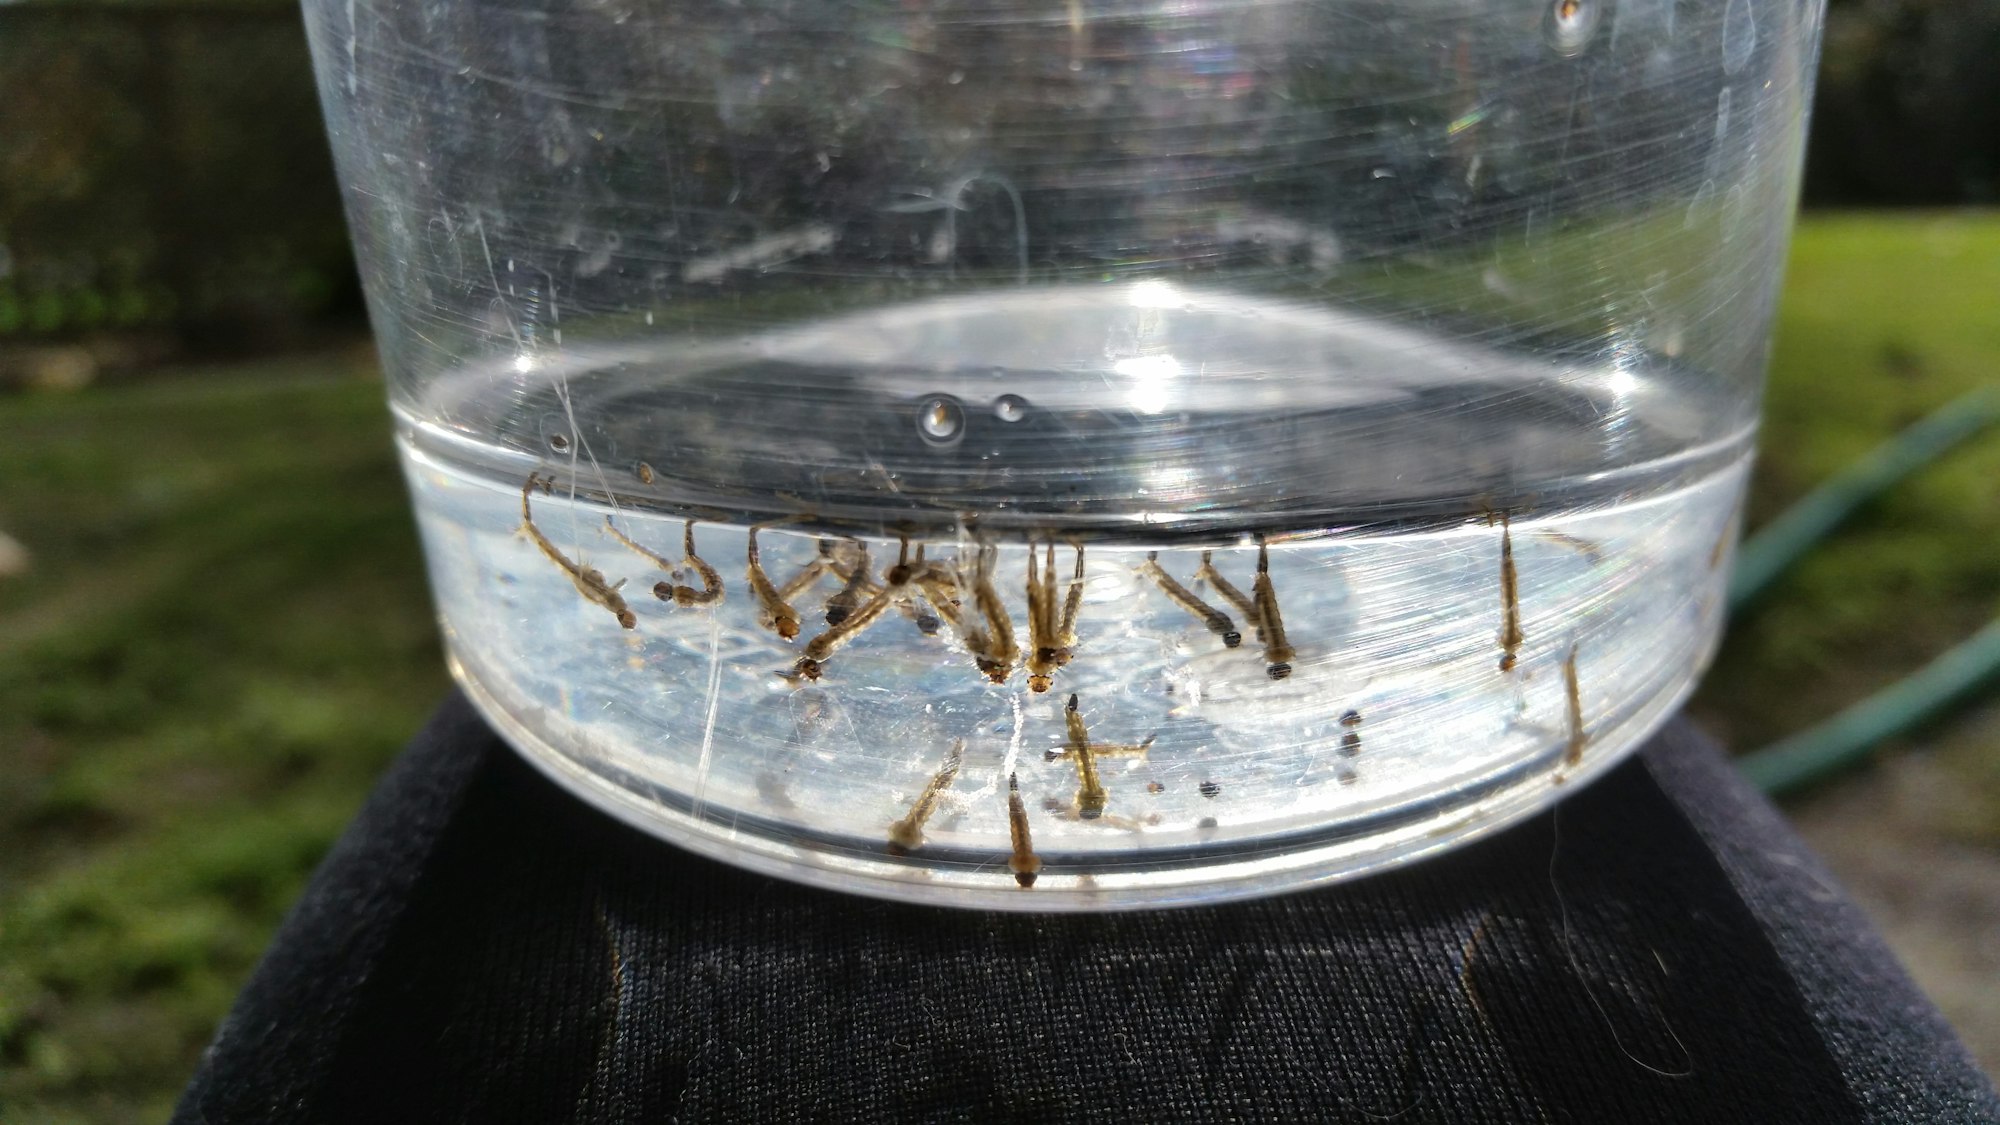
1090 795
1573 697
1591 552
1235 597
942 596
907 834
898 580
821 565
1072 605
1024 863
1350 718
1350 744
1277 654
589 581
645 473
993 647
1510 605
836 636
711 582
858 587
1217 621
1042 626
657 560
1106 750
776 615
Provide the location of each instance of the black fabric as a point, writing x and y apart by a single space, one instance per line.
481 947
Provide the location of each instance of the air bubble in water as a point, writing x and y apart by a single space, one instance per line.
940 420
1010 408
1570 24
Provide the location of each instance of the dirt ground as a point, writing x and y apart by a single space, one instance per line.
1904 839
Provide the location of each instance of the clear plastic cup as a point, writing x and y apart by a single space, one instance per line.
1053 454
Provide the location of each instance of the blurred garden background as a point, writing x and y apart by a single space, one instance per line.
213 625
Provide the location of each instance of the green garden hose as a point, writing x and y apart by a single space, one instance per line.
1801 527
1846 739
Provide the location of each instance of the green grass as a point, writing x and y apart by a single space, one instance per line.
226 636
1883 320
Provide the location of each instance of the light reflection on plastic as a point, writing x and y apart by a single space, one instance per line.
1153 293
1150 375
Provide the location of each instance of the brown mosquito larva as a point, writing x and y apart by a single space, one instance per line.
942 596
1229 593
1104 750
589 581
1573 697
657 560
1350 718
858 588
907 834
645 473
776 614
897 583
1090 795
1024 863
812 572
711 582
1042 626
836 637
1510 605
1277 653
993 647
1072 605
1211 789
1592 553
1155 787
1217 621
1350 744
